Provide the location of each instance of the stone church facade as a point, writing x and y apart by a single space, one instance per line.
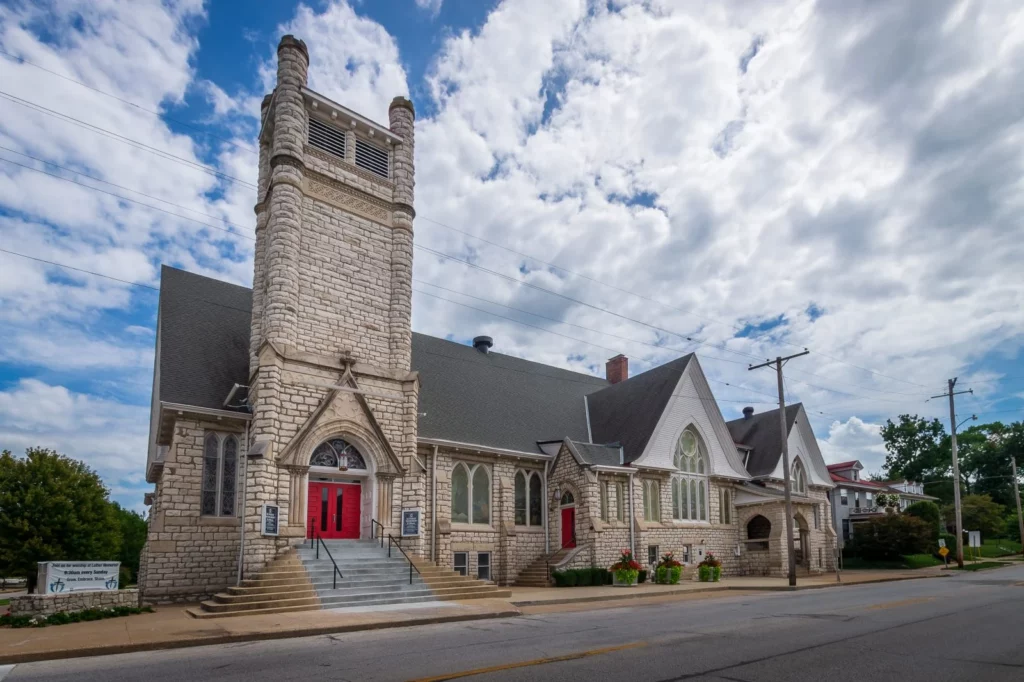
311 393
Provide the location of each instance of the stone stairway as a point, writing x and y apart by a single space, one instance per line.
300 581
536 574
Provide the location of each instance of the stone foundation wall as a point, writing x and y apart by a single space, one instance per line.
49 604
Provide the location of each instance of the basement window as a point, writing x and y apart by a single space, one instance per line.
483 565
461 563
327 138
372 158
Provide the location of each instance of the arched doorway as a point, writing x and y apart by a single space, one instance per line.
340 493
567 503
801 540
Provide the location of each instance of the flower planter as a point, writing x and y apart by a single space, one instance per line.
710 574
626 578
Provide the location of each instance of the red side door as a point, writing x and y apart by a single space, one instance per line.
569 527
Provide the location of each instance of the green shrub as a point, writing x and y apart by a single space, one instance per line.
928 512
570 578
674 573
890 537
63 618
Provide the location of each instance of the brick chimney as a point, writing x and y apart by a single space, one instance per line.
617 369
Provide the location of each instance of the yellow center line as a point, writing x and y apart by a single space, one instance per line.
525 664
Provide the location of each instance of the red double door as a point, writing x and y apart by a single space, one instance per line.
333 510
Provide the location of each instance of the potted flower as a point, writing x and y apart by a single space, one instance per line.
669 570
626 570
710 570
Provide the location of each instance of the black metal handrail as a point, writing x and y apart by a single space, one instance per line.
374 525
547 559
398 544
317 541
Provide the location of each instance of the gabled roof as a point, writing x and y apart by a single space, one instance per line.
847 483
852 464
601 455
761 433
204 338
466 396
627 412
496 400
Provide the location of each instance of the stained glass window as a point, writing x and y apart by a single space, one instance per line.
690 485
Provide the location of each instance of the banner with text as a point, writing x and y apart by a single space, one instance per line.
61 577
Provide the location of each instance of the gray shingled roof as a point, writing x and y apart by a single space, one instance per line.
627 412
204 338
760 432
496 400
465 396
602 455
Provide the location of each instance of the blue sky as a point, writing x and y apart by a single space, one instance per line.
741 180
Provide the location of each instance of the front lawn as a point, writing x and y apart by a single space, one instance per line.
910 561
998 547
981 565
5 602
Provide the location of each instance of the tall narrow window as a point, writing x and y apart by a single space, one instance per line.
536 500
604 501
725 505
620 502
690 484
799 477
471 493
652 501
520 499
220 474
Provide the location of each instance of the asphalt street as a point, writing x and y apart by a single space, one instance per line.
964 627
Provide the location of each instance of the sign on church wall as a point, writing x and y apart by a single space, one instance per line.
62 577
410 523
270 520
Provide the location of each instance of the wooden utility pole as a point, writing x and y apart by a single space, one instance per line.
1016 497
784 435
956 470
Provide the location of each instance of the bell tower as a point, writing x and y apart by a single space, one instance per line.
330 345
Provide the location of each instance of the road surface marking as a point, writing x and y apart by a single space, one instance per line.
901 602
524 664
5 670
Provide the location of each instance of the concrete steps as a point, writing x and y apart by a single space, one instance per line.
536 574
299 580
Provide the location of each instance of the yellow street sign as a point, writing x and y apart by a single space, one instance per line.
943 551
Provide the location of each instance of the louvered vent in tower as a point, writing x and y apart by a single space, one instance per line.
372 158
323 136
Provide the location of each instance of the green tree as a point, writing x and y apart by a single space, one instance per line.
133 537
918 450
928 512
890 536
52 508
979 512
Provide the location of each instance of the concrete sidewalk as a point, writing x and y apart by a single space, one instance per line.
535 596
169 627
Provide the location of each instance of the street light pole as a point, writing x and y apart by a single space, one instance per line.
784 434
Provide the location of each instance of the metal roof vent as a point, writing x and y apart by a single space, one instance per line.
483 343
748 412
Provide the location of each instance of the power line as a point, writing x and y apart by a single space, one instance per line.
651 299
118 196
112 184
158 114
71 267
126 140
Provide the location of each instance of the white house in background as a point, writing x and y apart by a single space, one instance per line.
854 499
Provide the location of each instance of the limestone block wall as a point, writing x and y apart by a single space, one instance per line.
188 556
49 604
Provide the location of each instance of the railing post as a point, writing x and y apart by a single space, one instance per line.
318 547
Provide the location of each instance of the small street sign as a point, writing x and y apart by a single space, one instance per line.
943 551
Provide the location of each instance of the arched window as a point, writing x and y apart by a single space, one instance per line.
471 493
604 501
652 501
528 498
759 528
690 485
220 474
567 499
799 477
337 453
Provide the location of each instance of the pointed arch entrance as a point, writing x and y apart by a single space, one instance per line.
340 491
567 504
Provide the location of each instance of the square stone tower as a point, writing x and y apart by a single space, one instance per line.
330 382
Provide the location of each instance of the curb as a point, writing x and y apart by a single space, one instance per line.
6 659
626 596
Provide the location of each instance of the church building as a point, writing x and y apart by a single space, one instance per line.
309 398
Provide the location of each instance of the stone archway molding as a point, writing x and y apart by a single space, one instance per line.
369 436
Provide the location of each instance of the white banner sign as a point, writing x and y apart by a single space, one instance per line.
61 577
974 538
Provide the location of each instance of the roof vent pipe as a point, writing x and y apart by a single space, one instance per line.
483 343
748 412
